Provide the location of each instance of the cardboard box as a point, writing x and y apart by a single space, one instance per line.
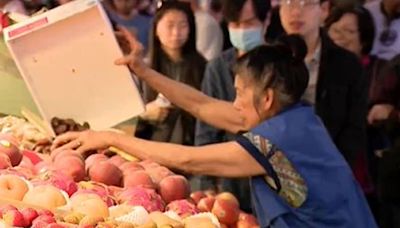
66 57
13 91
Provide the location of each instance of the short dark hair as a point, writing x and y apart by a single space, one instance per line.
278 66
365 24
232 8
216 5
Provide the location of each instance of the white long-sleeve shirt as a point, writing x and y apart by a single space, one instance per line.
208 35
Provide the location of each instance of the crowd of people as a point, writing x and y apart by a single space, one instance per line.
352 58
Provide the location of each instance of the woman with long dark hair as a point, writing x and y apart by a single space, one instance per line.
173 53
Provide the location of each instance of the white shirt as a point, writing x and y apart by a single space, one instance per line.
386 52
209 37
313 69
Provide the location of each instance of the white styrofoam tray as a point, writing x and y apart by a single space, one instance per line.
66 57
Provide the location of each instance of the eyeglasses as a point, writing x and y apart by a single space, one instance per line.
299 3
388 37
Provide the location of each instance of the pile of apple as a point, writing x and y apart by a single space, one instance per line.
88 187
225 207
28 217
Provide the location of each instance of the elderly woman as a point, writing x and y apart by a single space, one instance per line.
297 175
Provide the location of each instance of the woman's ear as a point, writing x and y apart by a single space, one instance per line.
268 100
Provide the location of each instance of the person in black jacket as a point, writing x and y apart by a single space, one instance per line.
385 116
337 86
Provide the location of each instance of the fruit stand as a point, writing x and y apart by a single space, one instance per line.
104 189
109 188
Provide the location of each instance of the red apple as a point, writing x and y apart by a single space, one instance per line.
197 196
206 204
39 224
247 217
57 179
14 218
106 173
158 173
174 187
72 167
43 219
18 171
6 208
5 161
148 164
246 221
27 163
210 192
94 159
32 156
228 196
226 211
117 160
130 167
44 166
11 150
12 187
244 224
45 212
58 154
29 214
138 178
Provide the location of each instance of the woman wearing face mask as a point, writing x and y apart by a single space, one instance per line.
247 20
247 26
173 53
298 177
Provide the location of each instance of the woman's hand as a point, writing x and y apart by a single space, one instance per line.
134 60
154 112
379 112
83 141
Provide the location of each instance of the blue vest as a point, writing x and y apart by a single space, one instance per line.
334 198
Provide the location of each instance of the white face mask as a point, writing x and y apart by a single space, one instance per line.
246 39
